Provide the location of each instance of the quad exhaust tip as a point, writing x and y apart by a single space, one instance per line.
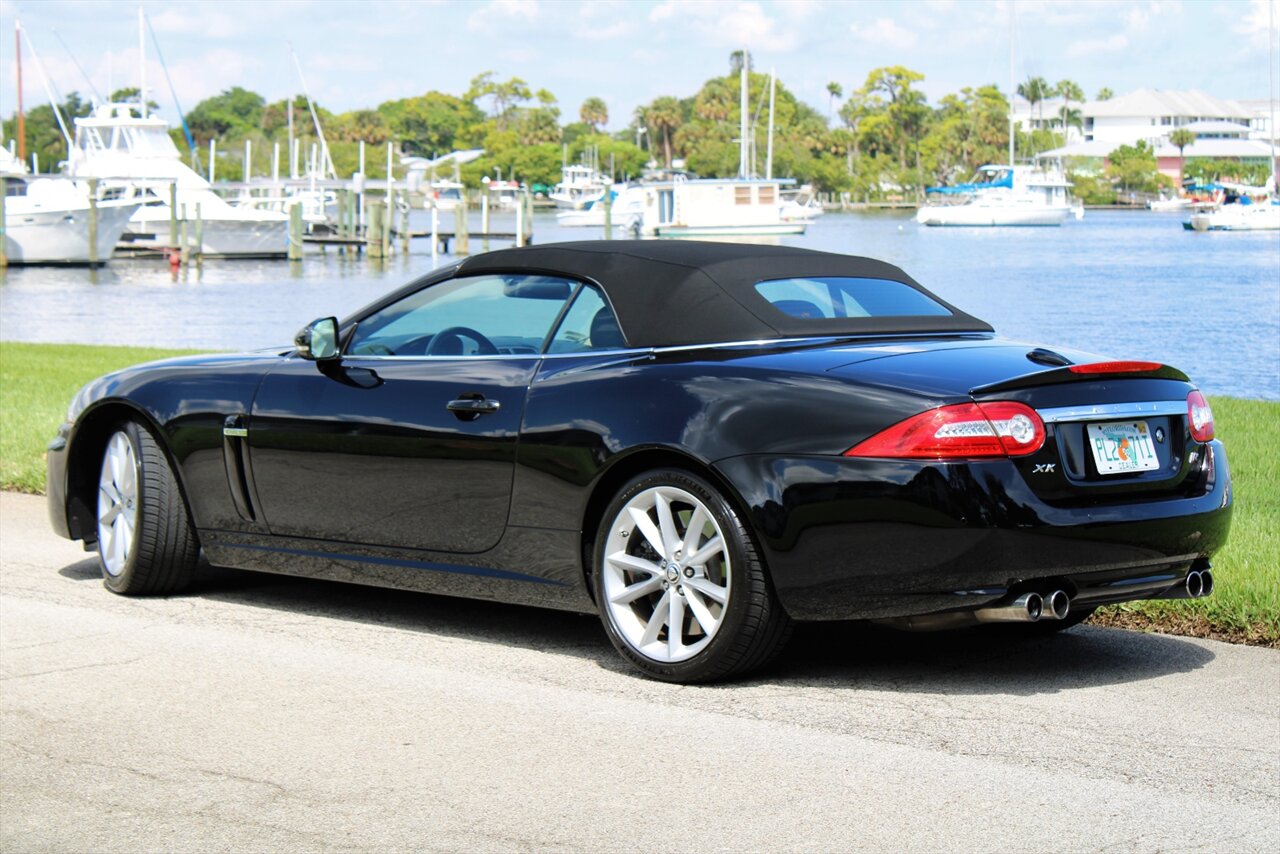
1056 605
1195 584
1027 608
1206 582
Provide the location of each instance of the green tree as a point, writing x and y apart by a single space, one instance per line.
1104 94
503 97
906 108
834 93
433 123
1181 138
736 59
1070 92
1036 90
594 112
44 137
234 112
663 117
1133 167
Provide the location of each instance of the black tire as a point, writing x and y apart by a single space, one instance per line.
1045 628
164 552
753 628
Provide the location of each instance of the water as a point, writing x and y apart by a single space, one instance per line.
1122 284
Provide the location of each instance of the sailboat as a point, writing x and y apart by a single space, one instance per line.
1004 195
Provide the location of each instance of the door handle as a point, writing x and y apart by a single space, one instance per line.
470 407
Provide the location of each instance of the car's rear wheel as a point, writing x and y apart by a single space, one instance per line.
146 545
682 592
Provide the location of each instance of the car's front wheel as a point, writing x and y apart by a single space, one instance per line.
145 542
682 592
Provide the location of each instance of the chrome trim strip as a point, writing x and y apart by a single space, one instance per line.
1112 411
236 432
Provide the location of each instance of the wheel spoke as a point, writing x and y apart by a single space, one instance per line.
646 526
701 612
697 521
713 547
657 620
707 588
670 541
639 564
108 510
128 483
641 588
675 626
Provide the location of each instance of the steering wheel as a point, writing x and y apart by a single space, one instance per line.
445 339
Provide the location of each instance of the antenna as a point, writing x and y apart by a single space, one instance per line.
142 64
76 62
315 119
48 90
1013 87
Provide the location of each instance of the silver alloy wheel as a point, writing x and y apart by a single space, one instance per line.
117 503
666 574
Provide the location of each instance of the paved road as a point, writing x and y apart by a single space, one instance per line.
272 713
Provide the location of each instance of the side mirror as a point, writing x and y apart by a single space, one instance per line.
318 340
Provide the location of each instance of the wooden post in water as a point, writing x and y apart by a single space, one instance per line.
373 234
484 211
608 212
528 218
184 254
405 236
388 220
93 222
435 234
4 238
461 237
519 222
173 214
199 247
295 231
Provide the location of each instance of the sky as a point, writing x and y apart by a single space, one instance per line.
359 54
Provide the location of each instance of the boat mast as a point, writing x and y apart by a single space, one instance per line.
1012 86
742 108
142 63
22 119
768 156
1271 86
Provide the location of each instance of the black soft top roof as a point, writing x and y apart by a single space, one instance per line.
669 293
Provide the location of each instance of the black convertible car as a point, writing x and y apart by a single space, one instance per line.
701 442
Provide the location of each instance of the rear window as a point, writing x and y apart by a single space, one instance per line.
841 296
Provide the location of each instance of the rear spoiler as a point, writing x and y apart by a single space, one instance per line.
1091 372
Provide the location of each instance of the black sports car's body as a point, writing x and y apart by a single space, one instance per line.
708 440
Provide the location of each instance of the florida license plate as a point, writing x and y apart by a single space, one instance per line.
1123 446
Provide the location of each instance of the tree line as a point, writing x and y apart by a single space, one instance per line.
883 140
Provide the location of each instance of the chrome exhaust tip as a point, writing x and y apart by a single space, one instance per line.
1206 583
1056 605
1195 584
1027 608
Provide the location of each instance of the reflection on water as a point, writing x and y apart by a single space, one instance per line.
1130 284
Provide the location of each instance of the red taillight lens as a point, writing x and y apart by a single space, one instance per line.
1115 368
960 431
1199 417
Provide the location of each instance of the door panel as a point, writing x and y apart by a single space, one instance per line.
367 450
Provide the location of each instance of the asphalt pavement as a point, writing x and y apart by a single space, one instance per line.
269 713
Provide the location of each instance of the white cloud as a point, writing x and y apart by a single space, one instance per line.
205 22
602 20
1089 47
501 14
1255 25
728 24
885 32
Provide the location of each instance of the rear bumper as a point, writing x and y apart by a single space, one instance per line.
857 539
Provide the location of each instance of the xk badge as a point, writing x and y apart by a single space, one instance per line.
1043 468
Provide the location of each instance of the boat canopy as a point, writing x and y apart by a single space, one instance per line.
1004 179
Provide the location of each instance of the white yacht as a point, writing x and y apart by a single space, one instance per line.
626 201
504 195
799 204
1237 216
580 186
46 220
1001 195
136 161
444 195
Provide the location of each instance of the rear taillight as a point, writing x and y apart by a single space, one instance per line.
1115 368
960 431
1199 417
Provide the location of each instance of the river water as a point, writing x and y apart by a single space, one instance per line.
1121 284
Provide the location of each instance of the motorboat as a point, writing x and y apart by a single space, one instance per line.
1003 195
626 200
579 186
504 195
444 195
1167 205
1237 216
46 220
708 207
136 161
799 204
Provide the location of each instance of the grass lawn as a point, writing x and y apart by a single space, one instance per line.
38 380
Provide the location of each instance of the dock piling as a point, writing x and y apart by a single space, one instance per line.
4 240
173 214
405 235
435 234
373 233
519 222
199 244
184 254
608 213
462 239
93 222
295 231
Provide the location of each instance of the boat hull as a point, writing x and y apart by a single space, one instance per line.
1249 218
61 236
230 238
781 228
979 216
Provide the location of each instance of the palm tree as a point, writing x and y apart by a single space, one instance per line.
1069 91
1036 90
1181 138
664 116
594 112
836 92
1104 94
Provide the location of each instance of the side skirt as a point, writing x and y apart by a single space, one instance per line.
541 578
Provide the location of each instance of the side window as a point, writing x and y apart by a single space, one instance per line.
588 325
498 314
